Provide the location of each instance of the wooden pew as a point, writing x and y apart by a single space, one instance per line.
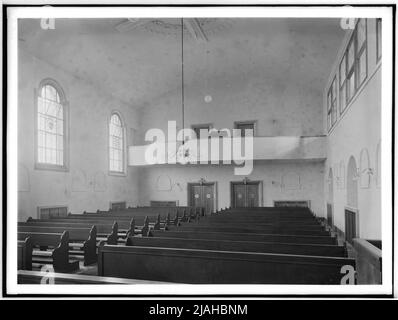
260 217
264 221
162 220
185 214
25 249
123 221
37 277
240 246
126 223
109 229
284 238
249 229
299 226
86 238
217 267
59 255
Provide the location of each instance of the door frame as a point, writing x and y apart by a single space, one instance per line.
246 181
204 183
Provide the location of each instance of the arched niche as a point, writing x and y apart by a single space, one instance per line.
378 165
364 167
23 178
163 183
291 181
352 183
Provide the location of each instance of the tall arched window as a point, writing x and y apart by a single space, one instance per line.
51 127
116 144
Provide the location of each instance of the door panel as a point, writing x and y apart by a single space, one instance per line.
202 196
208 198
252 195
239 195
196 196
245 195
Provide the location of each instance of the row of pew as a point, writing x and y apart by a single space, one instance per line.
63 242
234 246
264 245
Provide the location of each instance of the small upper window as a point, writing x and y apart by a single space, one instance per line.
378 39
205 128
51 127
332 104
245 125
342 84
361 53
116 144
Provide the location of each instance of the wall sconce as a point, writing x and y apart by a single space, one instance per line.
358 174
368 171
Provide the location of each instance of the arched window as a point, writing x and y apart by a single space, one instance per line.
116 144
51 127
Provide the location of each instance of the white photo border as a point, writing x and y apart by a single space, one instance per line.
14 13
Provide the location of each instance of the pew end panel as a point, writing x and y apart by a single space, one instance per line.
90 247
113 236
25 249
60 256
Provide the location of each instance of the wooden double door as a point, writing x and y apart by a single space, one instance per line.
202 195
245 195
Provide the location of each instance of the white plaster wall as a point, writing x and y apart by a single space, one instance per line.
89 111
270 172
282 91
359 127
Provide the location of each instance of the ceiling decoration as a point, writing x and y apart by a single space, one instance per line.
199 28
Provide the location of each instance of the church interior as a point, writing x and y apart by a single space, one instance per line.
297 202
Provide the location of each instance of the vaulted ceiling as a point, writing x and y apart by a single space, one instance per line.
144 63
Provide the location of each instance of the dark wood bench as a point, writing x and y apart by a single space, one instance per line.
233 223
183 215
240 246
245 237
260 217
155 221
36 277
125 223
108 230
25 249
58 255
160 219
85 238
249 229
217 267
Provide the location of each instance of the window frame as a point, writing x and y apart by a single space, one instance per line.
65 106
332 103
350 71
378 39
246 122
122 173
342 85
358 55
353 71
201 126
